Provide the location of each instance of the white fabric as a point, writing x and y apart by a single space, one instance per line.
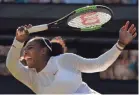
85 89
62 74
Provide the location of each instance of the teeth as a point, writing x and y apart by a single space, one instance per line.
27 58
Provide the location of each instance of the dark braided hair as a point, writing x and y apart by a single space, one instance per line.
57 45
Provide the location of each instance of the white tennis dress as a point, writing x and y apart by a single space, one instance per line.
62 74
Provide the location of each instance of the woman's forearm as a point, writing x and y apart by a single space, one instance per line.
13 55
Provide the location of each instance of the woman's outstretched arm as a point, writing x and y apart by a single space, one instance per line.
89 65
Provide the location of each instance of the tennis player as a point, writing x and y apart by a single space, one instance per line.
51 71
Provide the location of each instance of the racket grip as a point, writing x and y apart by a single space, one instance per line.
38 28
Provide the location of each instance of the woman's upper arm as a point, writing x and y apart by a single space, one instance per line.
22 74
90 65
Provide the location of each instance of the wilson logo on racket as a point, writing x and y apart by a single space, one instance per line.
90 18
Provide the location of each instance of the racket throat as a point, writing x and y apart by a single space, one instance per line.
53 26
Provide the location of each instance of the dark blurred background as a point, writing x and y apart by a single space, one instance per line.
120 78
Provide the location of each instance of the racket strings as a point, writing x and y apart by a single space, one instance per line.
89 20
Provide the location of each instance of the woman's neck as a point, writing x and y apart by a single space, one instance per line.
42 64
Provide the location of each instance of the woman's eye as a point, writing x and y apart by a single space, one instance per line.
29 48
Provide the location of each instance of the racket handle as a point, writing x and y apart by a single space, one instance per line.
38 28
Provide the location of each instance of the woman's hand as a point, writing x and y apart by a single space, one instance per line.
22 33
127 34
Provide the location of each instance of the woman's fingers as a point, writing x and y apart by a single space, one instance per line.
135 34
122 29
29 26
131 28
126 26
21 29
133 31
25 25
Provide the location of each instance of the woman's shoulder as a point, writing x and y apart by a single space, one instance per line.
67 58
67 55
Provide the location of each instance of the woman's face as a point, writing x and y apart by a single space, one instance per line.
33 53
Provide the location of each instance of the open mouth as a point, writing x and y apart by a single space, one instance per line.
27 58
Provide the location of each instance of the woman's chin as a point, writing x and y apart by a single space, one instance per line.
29 65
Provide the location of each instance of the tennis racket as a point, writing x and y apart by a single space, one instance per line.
88 18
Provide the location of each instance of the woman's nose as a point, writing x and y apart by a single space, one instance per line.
25 52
